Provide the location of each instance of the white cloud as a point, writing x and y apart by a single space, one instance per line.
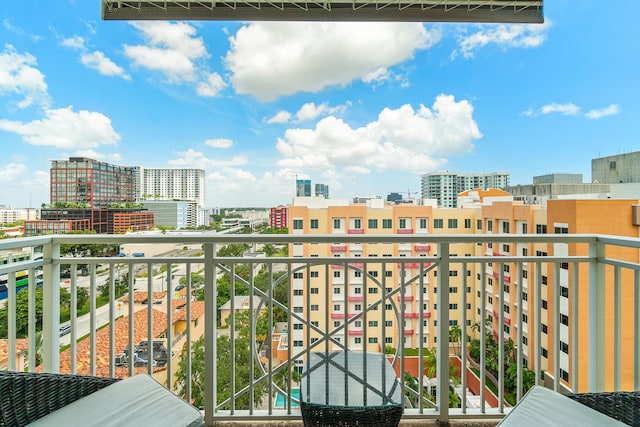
171 49
281 116
230 184
596 114
310 111
196 159
219 143
211 86
19 77
23 186
75 42
272 59
401 139
503 35
98 61
66 129
568 109
11 172
92 154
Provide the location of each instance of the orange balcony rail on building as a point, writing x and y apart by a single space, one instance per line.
356 298
337 247
422 248
404 231
355 231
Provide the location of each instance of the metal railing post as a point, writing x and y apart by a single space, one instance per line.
210 295
442 347
51 308
597 319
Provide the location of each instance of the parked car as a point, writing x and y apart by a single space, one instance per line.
65 329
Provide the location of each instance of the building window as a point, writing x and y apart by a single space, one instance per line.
314 291
541 229
314 274
422 223
489 225
297 275
372 323
373 290
314 307
372 340
505 227
388 323
564 374
479 224
373 223
560 230
452 223
337 224
545 329
297 309
297 343
357 340
357 223
297 292
336 290
387 223
564 347
564 319
388 307
297 224
564 291
544 352
467 223
388 340
388 273
314 224
438 223
336 307
402 223
297 326
525 318
357 307
544 304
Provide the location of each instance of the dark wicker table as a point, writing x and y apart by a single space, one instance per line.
350 389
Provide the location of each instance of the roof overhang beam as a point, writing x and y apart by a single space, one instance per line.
469 11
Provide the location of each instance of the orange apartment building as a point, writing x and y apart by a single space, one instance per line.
352 286
349 289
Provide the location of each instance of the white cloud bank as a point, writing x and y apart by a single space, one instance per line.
596 114
502 35
174 50
19 77
273 59
401 139
66 129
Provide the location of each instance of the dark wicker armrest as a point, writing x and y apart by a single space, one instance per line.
27 396
620 405
317 415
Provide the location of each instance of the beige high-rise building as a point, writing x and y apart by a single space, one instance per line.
490 285
352 287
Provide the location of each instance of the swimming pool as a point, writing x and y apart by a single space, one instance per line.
281 400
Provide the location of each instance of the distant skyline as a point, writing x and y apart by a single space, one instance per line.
364 108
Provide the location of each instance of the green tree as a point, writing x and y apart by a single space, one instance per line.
241 363
121 286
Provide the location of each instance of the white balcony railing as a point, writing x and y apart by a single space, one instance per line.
602 277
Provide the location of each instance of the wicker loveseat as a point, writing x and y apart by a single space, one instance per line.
620 405
74 400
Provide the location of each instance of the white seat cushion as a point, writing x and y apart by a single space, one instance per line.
135 401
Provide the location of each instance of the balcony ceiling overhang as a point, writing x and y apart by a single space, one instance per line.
478 11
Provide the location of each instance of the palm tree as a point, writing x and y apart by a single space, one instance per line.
455 333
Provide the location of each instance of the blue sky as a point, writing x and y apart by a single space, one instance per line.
365 108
